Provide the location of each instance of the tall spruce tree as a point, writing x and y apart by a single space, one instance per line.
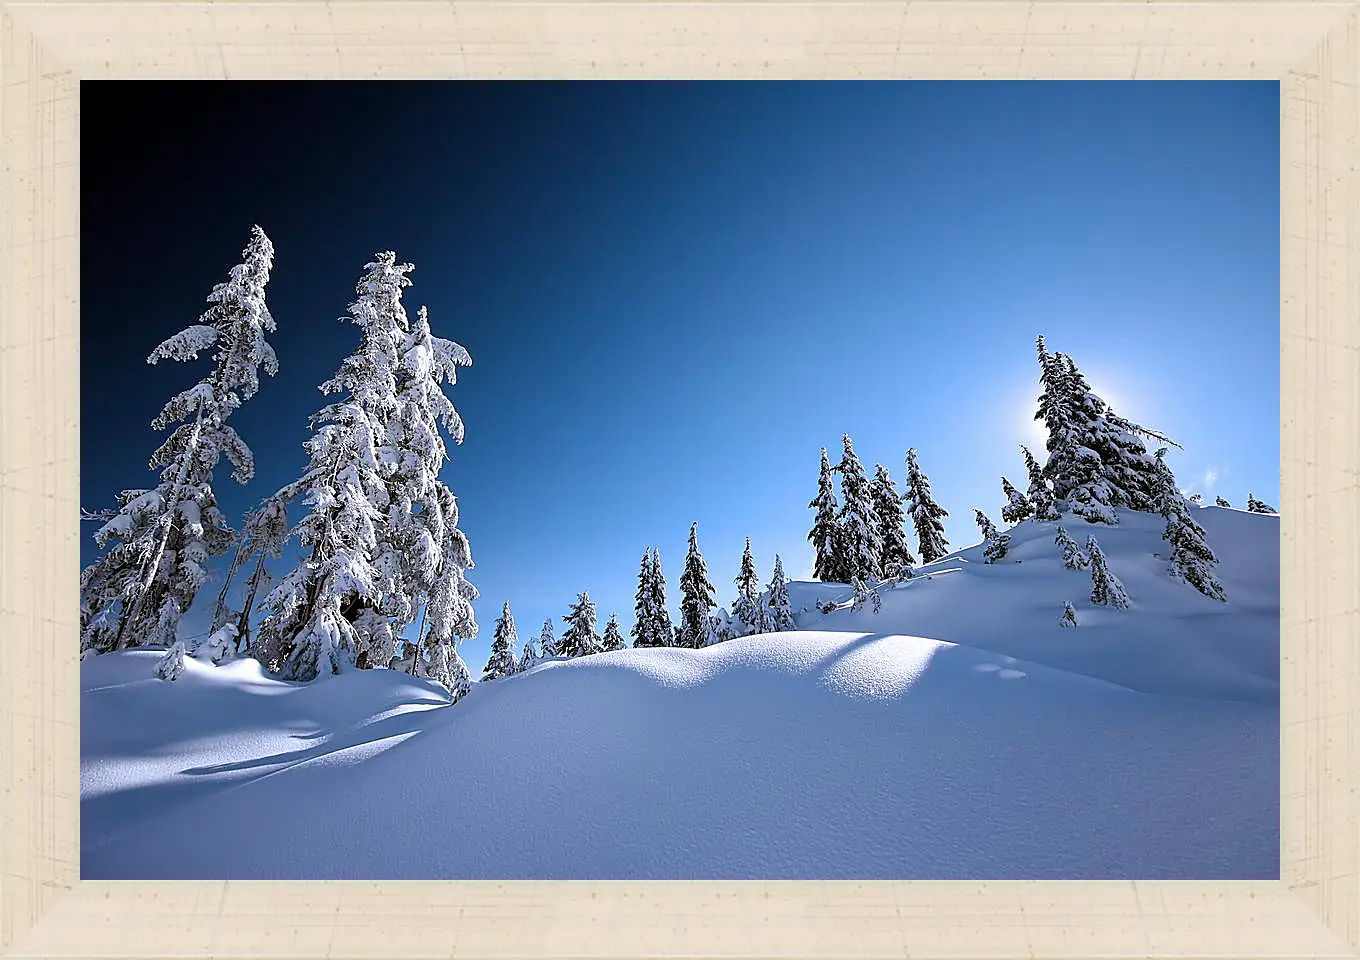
502 662
696 598
644 630
137 591
613 636
1106 588
664 629
1017 508
825 533
1192 561
895 559
779 616
579 639
747 616
925 513
860 540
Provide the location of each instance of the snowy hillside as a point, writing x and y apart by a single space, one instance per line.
959 732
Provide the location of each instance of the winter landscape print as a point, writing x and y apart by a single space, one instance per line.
680 481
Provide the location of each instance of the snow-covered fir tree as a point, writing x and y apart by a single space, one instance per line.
1069 617
1192 561
664 630
1219 501
644 630
825 533
1106 588
263 537
996 543
1197 498
170 666
613 636
747 613
925 513
859 593
547 643
1040 493
502 661
1258 506
1017 508
141 587
860 541
696 598
1072 556
778 617
579 639
528 657
895 559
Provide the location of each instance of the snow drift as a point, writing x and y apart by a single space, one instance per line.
958 733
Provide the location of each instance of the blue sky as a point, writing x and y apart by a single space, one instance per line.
675 294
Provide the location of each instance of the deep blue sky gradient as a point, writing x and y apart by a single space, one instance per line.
674 294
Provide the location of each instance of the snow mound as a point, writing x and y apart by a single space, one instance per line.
960 733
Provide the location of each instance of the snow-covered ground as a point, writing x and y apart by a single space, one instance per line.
958 733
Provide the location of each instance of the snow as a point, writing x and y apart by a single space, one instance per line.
959 733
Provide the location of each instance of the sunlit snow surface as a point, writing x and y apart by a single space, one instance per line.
959 733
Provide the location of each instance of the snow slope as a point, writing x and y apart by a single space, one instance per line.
959 733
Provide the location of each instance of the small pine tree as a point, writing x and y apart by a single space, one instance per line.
579 639
1220 502
1192 561
780 617
1069 617
825 533
996 542
1040 494
1257 506
860 593
1106 589
547 643
170 666
925 513
1073 558
746 612
1017 508
502 662
895 558
696 597
529 658
1197 498
613 636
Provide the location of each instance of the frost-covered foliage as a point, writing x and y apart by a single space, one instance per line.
170 666
382 528
859 593
1072 556
652 623
1258 506
696 597
1192 561
529 658
925 513
1197 498
1106 588
861 543
665 630
579 639
1219 501
613 635
778 616
263 537
166 535
996 543
1040 493
1069 617
547 643
825 533
895 557
748 615
1017 508
220 646
502 661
